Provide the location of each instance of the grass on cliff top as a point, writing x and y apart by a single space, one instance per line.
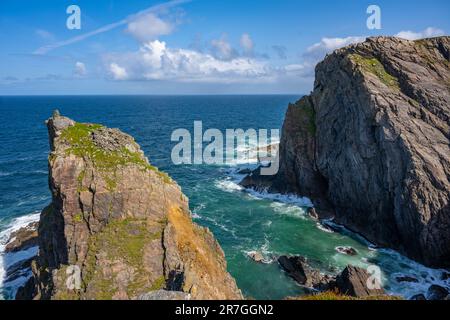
331 296
79 136
374 66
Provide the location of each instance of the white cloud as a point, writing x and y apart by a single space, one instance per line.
317 51
247 43
149 27
155 61
80 69
154 9
222 50
118 72
427 33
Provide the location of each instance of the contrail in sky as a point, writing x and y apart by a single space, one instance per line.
108 27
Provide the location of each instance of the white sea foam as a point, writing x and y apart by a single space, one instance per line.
15 257
228 185
323 228
399 265
392 263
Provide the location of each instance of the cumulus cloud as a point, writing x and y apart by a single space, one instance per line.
319 50
80 69
427 33
156 61
118 72
149 27
247 44
222 49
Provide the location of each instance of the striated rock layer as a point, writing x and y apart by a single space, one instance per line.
124 225
371 143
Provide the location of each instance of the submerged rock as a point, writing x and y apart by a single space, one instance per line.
117 227
436 292
371 143
347 250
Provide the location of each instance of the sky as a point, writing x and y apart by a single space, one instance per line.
190 47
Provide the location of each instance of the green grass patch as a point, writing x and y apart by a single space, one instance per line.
374 66
79 138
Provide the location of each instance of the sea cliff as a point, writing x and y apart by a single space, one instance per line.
120 224
370 145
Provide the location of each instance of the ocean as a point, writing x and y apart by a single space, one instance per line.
242 221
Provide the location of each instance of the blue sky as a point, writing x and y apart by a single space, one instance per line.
190 47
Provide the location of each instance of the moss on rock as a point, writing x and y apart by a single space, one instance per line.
374 66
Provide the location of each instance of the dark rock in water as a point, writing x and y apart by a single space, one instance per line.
445 276
19 269
27 291
245 171
23 238
406 279
298 269
165 295
436 292
347 250
418 297
123 223
373 139
353 281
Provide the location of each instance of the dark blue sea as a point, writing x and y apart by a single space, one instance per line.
242 221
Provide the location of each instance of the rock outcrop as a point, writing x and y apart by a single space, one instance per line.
372 144
117 227
299 270
352 281
356 282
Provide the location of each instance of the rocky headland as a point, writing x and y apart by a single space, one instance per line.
119 224
371 145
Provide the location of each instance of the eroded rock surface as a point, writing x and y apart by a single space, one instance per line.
119 221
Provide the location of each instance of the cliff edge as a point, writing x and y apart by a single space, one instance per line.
371 143
119 224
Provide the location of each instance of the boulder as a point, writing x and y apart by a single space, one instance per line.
347 251
298 269
436 292
418 297
353 281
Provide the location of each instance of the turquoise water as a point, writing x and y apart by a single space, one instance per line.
242 221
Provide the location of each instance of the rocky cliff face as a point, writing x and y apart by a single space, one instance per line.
121 222
371 142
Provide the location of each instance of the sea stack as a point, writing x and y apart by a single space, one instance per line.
119 224
371 143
